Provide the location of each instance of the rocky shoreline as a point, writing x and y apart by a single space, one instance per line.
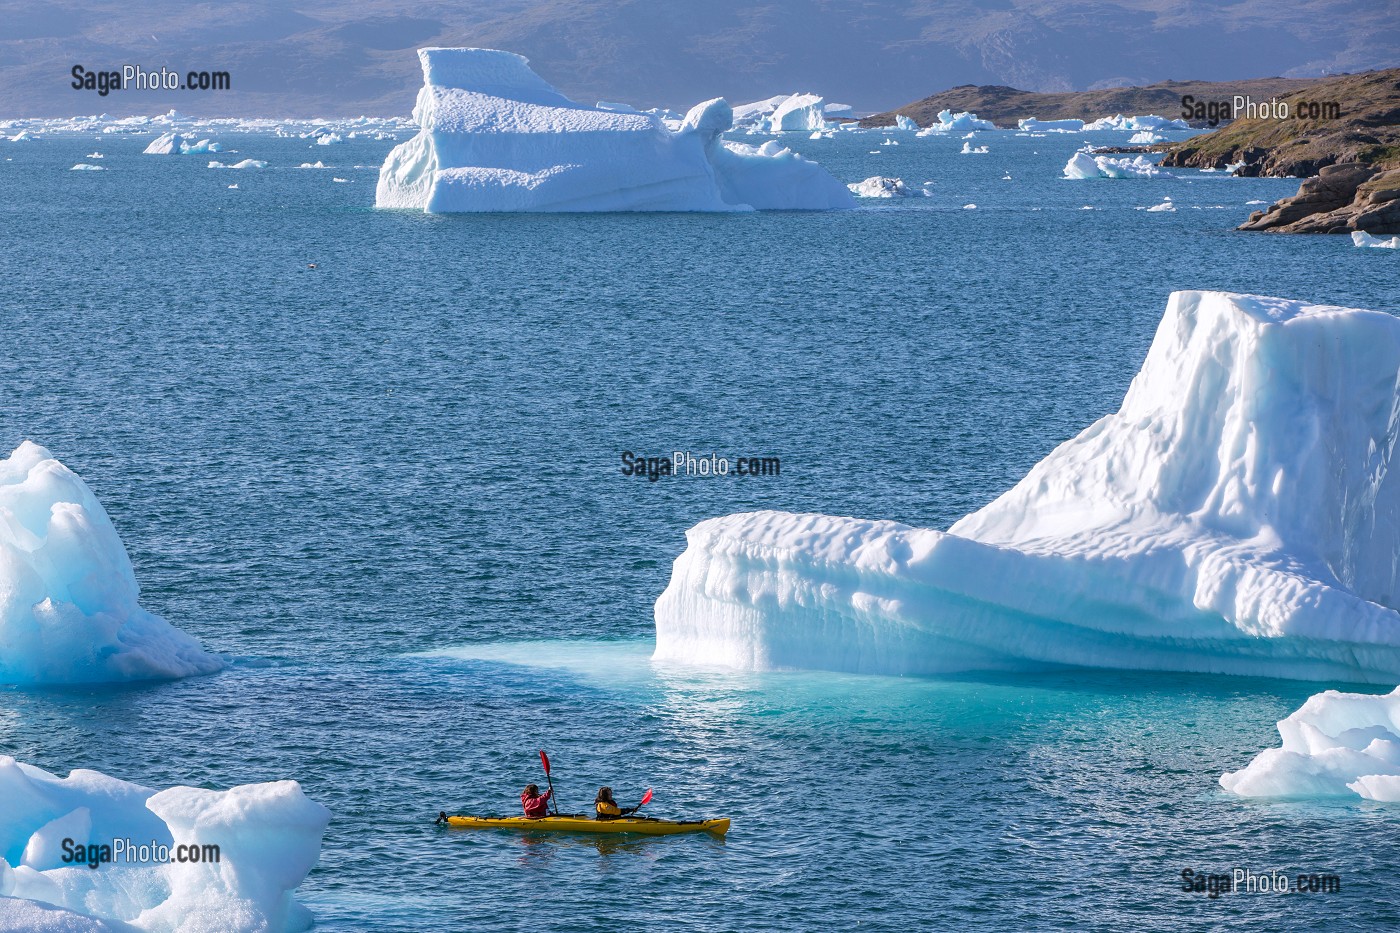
1338 199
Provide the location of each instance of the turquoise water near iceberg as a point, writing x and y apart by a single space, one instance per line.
390 487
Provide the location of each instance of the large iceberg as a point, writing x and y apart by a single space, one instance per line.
1146 122
799 113
495 137
1335 745
181 859
69 609
1031 124
1235 515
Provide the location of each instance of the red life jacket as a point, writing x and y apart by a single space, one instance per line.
535 807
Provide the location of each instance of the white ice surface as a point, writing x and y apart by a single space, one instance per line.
1362 238
495 137
1335 745
69 601
949 122
1236 515
268 838
1084 164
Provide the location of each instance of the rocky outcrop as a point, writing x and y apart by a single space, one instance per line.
1339 199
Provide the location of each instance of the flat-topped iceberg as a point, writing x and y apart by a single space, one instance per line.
495 137
880 186
1335 745
1236 515
1031 124
1145 122
69 609
178 859
1362 238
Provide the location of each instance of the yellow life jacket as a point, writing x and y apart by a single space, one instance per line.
608 809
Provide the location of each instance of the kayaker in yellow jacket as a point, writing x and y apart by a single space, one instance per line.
607 807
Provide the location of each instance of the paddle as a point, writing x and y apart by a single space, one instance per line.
544 760
646 799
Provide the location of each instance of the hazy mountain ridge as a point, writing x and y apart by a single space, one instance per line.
336 58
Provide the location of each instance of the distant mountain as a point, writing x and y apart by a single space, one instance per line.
345 57
1005 105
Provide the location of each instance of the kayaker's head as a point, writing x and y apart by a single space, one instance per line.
532 790
604 795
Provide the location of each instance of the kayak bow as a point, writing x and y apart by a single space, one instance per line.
579 823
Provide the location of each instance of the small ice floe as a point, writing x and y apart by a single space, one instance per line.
879 186
1251 203
1087 207
969 207
329 139
23 136
1165 207
1362 238
1006 177
246 163
85 167
316 164
93 155
231 187
1145 138
969 149
890 142
1084 164
340 180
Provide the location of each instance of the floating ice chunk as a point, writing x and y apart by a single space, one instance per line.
232 187
316 164
85 167
23 136
1031 124
800 113
905 124
969 207
341 180
1362 238
1084 164
495 137
246 163
968 149
1249 203
330 139
1165 206
93 155
1335 745
949 122
202 147
878 186
69 610
1148 122
759 113
1145 138
890 142
168 144
268 838
1236 515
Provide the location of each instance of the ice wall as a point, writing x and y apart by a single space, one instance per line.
1236 515
268 838
69 609
495 137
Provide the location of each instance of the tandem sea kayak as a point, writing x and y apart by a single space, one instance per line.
641 825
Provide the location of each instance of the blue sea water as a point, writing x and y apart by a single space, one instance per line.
390 487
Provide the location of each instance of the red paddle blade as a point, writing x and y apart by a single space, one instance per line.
544 760
646 798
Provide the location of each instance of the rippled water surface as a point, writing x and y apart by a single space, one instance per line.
390 487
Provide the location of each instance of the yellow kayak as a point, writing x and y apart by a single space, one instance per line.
587 824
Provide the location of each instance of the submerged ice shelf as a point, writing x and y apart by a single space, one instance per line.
1236 515
495 137
69 609
268 837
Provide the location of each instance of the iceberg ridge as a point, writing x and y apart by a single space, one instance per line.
1236 515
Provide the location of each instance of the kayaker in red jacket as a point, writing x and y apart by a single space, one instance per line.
536 804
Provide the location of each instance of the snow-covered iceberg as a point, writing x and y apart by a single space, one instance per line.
495 137
158 870
175 144
69 601
1031 124
1362 238
1084 164
1133 124
1236 515
1335 745
880 186
800 113
949 122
